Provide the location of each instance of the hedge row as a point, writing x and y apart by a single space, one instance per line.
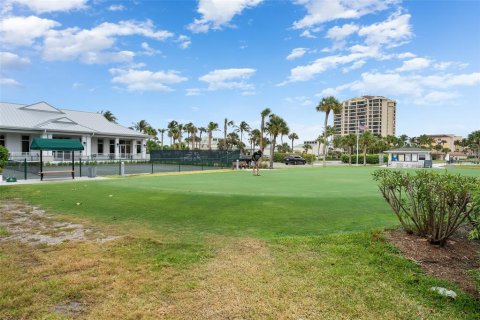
371 158
279 156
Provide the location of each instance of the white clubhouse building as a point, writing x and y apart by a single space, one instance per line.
102 139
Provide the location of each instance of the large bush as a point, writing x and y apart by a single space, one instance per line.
371 158
428 203
3 157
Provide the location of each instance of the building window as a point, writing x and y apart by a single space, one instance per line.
112 146
25 144
394 157
100 146
2 140
408 157
414 157
401 157
139 147
421 157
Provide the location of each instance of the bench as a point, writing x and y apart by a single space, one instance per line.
55 172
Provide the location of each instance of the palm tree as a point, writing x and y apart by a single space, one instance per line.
321 139
172 125
243 127
350 141
109 116
226 123
180 127
293 136
212 126
474 141
366 140
285 132
425 141
254 139
403 139
141 126
265 112
307 147
161 131
275 126
328 105
201 130
190 128
330 132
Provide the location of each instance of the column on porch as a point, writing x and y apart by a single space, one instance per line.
106 146
133 150
144 148
117 148
87 145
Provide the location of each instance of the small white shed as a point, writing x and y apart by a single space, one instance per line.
408 157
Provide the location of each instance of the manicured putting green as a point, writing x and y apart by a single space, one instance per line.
298 201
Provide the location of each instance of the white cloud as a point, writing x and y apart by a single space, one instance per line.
73 43
444 65
42 6
320 11
193 92
307 72
218 13
416 88
296 53
392 32
145 80
405 55
356 65
116 7
301 100
10 60
183 41
8 82
23 31
229 79
307 34
414 64
339 33
148 51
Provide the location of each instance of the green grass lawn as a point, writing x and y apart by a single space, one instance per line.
292 243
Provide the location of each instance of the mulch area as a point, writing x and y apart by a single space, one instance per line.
451 262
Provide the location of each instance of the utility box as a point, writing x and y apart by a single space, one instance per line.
92 172
122 168
427 164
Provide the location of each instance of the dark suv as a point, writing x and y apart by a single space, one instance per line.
294 160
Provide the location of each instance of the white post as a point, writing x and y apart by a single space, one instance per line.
238 164
358 129
144 148
117 148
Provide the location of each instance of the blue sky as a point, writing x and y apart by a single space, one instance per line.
205 60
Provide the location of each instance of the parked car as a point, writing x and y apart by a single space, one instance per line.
294 159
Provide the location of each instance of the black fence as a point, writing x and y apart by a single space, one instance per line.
205 158
24 170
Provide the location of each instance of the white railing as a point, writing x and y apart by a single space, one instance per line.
31 156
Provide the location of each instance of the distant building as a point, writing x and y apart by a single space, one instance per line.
376 114
446 141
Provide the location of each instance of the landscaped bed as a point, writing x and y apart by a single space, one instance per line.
305 243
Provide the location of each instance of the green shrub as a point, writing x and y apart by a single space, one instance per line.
278 156
371 158
428 203
310 158
3 157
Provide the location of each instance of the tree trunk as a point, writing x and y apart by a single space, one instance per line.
272 150
325 139
292 145
210 140
364 155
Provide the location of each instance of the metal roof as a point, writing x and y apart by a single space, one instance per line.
42 116
408 149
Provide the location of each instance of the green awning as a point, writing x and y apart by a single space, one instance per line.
56 144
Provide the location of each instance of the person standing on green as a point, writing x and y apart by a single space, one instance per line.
256 157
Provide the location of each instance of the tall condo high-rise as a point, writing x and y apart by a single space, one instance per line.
376 114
